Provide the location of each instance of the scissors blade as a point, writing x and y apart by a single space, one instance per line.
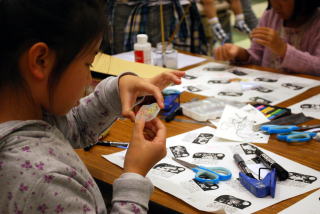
186 164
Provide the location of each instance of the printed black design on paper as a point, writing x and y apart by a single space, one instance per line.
192 88
230 93
238 72
248 149
262 89
292 86
205 155
179 151
265 79
169 168
206 186
203 138
306 106
189 77
218 81
233 201
302 178
260 100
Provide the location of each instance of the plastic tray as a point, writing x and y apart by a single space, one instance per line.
209 108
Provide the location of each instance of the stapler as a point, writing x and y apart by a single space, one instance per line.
260 188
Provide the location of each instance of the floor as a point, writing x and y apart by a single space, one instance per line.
240 39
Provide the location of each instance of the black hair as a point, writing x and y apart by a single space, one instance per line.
302 8
66 26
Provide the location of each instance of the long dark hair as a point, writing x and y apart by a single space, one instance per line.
302 8
66 26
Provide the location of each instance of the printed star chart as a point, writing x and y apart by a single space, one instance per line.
199 147
243 84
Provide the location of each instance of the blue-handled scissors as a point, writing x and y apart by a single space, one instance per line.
289 134
210 175
296 136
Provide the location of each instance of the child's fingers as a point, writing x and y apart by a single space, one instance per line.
138 128
155 91
261 37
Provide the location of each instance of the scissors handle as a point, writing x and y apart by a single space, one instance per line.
211 174
296 136
277 129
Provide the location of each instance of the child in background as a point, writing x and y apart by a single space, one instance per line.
287 39
46 51
211 13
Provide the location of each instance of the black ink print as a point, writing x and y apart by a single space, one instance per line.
233 201
189 77
203 138
292 86
206 186
310 106
248 149
302 178
212 156
230 93
218 81
192 88
179 151
238 72
260 100
169 168
215 68
262 89
265 79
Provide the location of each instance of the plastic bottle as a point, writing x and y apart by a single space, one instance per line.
142 49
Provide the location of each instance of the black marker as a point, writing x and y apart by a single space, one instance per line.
267 161
242 165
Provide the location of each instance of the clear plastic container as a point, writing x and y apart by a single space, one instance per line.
210 108
169 59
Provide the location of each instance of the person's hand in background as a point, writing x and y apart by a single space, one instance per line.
271 39
229 52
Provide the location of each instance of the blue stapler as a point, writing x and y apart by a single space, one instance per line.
260 188
171 103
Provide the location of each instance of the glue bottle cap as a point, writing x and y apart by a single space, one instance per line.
142 38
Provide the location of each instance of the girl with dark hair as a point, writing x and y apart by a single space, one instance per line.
287 39
46 49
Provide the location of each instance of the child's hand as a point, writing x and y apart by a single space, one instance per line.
270 39
166 78
227 52
147 147
130 88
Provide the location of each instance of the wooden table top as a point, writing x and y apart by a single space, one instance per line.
306 153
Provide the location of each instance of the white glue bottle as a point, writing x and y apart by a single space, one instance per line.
142 49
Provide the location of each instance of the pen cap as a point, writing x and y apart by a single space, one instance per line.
237 158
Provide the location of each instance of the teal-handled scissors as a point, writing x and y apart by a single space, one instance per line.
296 136
278 129
210 175
289 134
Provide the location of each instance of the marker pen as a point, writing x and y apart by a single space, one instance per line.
273 113
242 165
267 161
277 114
260 107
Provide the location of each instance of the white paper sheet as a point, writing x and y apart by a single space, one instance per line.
308 205
243 85
184 60
310 107
200 147
237 125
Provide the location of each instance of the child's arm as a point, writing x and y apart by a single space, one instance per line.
61 193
